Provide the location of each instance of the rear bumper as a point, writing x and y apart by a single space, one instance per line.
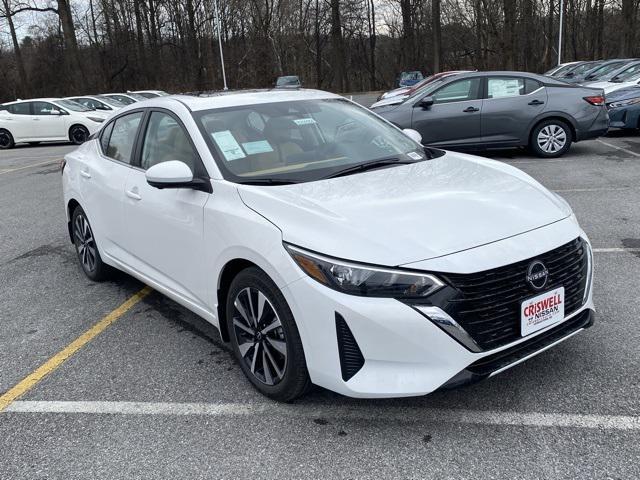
598 128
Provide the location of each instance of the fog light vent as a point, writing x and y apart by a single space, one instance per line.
351 359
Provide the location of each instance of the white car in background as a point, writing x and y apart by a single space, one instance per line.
97 102
151 93
327 245
45 120
629 78
125 98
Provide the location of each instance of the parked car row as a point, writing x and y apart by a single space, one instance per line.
71 119
610 75
500 110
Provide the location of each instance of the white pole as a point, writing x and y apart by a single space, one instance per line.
560 32
224 75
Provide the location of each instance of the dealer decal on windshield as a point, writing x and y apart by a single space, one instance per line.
228 144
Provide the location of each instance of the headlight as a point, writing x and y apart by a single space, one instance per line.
363 280
96 119
624 103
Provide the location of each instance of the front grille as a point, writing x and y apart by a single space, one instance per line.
351 359
487 305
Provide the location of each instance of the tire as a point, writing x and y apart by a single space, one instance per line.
6 139
78 134
86 247
271 355
550 139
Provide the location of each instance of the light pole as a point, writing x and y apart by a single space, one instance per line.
224 75
560 32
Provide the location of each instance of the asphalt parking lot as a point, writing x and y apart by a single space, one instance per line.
157 395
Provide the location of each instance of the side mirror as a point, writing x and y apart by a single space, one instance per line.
175 174
569 75
413 135
426 102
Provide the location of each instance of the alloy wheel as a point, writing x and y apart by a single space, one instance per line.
552 138
85 243
259 336
78 135
5 140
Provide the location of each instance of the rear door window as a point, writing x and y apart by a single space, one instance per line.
23 108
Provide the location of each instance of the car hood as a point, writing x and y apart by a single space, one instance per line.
407 213
615 86
395 100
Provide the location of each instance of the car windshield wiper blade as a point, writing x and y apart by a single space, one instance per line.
268 181
362 167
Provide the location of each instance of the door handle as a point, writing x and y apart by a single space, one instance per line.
471 109
536 102
133 195
35 119
85 174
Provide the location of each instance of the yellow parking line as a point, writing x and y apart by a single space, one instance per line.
48 162
59 358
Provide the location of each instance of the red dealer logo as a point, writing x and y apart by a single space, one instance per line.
544 306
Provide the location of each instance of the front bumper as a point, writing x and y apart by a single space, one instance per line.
403 352
625 117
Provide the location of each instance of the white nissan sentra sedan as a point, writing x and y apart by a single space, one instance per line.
328 246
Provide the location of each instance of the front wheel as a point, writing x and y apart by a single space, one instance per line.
550 139
265 338
78 134
86 247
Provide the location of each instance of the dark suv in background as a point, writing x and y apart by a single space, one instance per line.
503 109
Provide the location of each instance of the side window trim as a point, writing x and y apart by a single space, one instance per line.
142 136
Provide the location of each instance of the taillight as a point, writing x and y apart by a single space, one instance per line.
597 100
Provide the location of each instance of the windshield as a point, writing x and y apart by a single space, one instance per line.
73 106
110 101
282 81
426 90
629 74
580 69
598 72
137 96
300 141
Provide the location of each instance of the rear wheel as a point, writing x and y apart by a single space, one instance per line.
86 247
78 134
550 139
6 139
265 338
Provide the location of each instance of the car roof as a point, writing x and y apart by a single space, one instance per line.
47 99
232 98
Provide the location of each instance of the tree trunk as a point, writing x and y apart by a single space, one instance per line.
69 35
508 36
23 88
408 44
437 35
372 42
628 27
338 47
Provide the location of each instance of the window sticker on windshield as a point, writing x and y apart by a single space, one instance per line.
228 145
304 121
414 155
261 146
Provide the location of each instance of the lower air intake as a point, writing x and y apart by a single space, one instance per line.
351 359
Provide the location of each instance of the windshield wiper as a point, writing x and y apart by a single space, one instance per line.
268 181
362 167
